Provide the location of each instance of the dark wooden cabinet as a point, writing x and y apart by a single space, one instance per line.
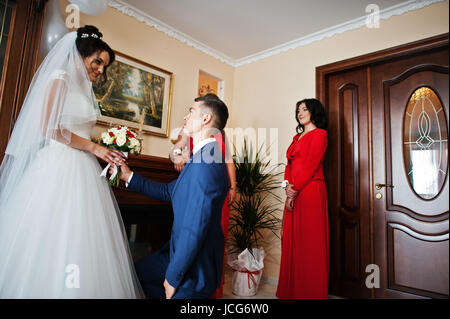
151 219
373 137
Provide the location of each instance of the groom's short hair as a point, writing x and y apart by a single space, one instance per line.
218 109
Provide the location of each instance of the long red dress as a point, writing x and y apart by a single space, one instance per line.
304 245
225 219
225 214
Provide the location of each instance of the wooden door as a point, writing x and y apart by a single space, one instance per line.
376 136
20 63
410 127
348 194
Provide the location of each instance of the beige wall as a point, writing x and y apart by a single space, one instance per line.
261 94
265 92
133 38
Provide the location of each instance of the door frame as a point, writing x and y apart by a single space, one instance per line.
21 62
322 72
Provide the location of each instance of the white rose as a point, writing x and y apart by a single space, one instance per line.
136 149
106 138
121 140
122 133
113 130
133 142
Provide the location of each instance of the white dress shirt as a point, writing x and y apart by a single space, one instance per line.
199 145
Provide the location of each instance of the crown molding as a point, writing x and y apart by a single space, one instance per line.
168 30
385 14
338 29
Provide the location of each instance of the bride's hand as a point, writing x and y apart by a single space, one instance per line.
107 154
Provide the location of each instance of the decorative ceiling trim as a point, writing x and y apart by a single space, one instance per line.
167 29
384 14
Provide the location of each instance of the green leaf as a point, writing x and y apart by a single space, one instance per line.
256 183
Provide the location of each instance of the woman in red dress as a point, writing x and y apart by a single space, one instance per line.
304 245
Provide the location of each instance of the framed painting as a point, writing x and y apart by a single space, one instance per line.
208 83
136 94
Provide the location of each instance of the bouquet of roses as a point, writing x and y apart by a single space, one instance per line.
123 139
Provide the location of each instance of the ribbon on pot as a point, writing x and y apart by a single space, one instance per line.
250 276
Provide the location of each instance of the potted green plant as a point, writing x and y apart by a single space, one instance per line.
254 211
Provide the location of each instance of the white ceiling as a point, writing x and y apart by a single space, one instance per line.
236 29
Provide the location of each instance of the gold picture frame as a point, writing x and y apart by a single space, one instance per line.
136 94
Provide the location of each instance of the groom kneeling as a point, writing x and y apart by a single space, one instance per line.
190 264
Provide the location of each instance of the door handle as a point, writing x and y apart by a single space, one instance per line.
380 186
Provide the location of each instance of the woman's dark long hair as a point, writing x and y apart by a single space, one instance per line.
317 111
89 40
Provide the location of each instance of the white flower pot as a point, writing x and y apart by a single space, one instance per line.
245 284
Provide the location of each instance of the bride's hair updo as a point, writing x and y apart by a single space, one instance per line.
89 40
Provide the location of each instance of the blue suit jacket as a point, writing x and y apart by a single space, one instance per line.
197 240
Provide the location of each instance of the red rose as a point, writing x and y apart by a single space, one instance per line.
111 134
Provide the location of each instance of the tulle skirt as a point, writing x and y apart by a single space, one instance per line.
61 233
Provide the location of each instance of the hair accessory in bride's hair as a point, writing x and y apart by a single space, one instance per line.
93 35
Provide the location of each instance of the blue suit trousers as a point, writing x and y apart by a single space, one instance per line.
151 273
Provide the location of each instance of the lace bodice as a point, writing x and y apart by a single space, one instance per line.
80 103
79 113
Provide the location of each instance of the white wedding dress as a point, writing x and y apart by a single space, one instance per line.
61 233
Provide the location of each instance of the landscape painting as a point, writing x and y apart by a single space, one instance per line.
135 94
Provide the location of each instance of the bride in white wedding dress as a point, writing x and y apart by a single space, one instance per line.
61 232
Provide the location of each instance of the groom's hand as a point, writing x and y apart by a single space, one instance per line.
125 171
170 291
